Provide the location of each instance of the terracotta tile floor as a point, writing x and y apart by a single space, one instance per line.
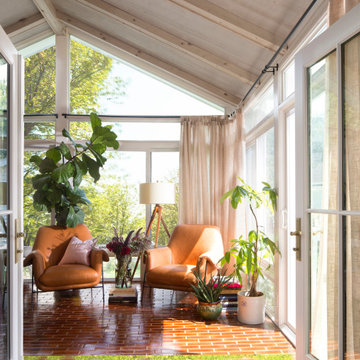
78 323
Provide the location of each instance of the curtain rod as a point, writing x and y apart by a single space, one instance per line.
126 116
269 67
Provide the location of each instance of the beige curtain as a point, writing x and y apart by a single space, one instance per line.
352 173
211 153
338 8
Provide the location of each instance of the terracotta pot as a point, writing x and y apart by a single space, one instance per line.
251 309
209 311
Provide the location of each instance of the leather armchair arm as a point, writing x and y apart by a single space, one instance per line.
209 260
157 257
97 257
37 260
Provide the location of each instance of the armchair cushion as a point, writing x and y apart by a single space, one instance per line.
78 251
60 276
181 276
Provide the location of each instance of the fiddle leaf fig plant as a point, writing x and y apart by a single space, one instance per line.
61 171
250 253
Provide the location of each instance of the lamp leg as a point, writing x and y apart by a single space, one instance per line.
158 225
151 220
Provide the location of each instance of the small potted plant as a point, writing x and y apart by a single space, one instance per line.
253 251
208 294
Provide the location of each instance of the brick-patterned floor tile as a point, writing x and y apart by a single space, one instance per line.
79 323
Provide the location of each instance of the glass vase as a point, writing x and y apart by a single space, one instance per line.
122 271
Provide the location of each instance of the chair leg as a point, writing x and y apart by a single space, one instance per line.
102 282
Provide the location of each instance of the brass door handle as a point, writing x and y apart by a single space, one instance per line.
298 234
20 235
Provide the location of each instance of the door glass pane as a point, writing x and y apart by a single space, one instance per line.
351 111
352 283
323 132
165 168
4 144
4 276
324 286
291 215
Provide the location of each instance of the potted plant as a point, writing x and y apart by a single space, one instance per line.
124 250
60 172
252 252
208 294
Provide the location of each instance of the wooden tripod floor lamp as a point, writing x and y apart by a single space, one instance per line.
157 193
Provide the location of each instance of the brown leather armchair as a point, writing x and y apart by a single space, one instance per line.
172 267
49 247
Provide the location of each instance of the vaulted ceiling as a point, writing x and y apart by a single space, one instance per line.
213 48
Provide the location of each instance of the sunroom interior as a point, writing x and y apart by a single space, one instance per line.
199 93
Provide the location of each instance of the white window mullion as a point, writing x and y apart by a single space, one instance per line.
62 87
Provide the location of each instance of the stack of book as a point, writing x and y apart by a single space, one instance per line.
118 295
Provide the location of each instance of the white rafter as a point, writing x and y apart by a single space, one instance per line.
195 81
230 21
24 25
48 11
180 44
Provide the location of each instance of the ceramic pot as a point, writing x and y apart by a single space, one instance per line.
251 310
209 311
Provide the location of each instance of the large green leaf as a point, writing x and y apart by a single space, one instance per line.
93 167
75 217
64 150
95 121
54 154
63 173
82 165
66 134
77 177
39 180
36 159
47 165
99 158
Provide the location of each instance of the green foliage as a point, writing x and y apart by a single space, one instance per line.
61 171
209 292
113 205
249 253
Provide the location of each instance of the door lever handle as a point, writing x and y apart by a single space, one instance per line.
298 234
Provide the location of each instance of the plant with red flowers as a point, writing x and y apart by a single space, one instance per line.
133 245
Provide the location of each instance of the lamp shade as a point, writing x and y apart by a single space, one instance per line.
157 193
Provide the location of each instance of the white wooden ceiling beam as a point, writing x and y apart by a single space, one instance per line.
157 33
195 81
25 24
48 11
230 21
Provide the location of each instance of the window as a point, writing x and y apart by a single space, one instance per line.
165 168
289 80
260 166
123 89
257 110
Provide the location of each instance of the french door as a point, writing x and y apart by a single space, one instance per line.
11 158
328 193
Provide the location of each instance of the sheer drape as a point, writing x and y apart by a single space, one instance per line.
211 153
